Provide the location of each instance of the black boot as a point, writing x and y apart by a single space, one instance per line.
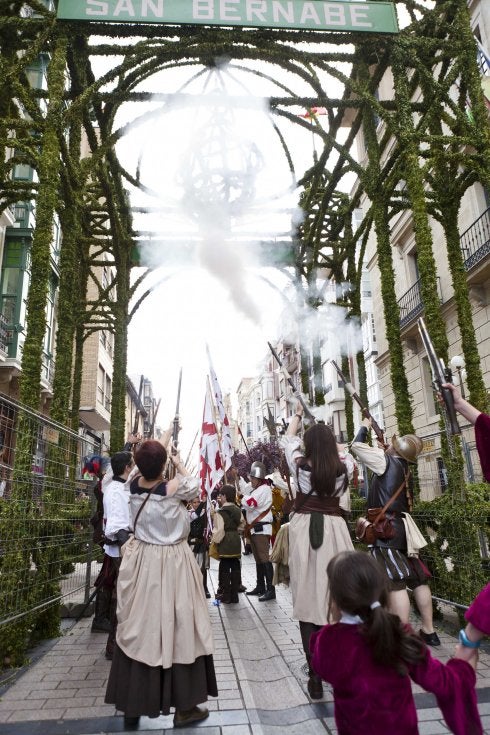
101 622
220 590
226 582
205 582
260 585
315 684
235 585
270 594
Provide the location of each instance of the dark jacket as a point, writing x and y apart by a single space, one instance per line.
230 546
198 529
381 489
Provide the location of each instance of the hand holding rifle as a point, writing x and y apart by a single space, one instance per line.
441 376
371 422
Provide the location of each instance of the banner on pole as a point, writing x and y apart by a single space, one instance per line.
320 15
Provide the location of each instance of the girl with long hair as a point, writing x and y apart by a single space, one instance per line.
369 657
317 529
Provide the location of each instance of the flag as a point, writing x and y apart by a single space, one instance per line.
313 112
211 467
226 443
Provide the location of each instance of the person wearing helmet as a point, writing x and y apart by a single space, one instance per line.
257 502
390 469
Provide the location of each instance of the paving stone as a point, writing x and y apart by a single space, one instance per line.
277 695
33 715
265 670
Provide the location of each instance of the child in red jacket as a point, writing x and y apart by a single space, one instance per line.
369 657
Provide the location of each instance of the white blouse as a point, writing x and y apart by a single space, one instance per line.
165 519
292 450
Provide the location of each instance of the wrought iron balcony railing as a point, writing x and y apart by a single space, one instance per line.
411 304
475 241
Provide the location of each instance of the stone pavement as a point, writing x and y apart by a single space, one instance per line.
260 669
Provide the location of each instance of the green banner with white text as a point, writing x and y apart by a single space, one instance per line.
369 17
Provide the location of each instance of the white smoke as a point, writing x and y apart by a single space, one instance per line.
219 172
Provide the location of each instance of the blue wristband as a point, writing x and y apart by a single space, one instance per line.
465 641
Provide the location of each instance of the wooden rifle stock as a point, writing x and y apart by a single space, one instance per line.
440 375
365 411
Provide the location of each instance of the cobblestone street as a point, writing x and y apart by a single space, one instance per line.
261 680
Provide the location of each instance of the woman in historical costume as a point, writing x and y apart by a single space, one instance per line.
317 529
164 645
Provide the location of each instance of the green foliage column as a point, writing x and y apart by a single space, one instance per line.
49 172
376 191
407 139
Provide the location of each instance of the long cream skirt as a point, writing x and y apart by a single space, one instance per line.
162 612
308 567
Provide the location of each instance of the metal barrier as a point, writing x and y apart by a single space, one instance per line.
46 548
431 472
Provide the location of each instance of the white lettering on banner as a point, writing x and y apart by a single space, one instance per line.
124 6
334 14
203 9
157 10
309 13
278 9
359 14
226 9
95 7
256 8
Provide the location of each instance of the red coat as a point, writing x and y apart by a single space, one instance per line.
479 611
376 700
482 436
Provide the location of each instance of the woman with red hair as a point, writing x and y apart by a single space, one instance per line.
164 645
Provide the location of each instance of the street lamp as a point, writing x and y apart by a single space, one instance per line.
457 365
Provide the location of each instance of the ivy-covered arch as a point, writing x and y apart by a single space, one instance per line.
421 136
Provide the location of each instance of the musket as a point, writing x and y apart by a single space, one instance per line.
175 430
296 392
440 374
152 425
364 410
137 414
243 440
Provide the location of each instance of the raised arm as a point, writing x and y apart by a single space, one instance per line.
295 421
469 412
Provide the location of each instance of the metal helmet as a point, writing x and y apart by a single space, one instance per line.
258 470
408 446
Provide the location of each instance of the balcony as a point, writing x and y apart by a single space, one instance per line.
475 241
411 305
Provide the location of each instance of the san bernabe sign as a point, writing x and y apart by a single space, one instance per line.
321 15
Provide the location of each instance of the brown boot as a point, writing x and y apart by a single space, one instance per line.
184 717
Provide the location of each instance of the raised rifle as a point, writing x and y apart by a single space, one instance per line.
296 393
137 413
364 410
152 425
440 374
176 429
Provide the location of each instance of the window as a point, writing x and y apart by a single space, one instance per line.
427 387
104 388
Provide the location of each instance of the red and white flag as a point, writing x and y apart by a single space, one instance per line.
313 112
211 467
226 444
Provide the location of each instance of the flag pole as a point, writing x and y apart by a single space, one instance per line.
192 447
218 432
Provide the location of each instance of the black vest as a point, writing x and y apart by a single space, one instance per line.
381 489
